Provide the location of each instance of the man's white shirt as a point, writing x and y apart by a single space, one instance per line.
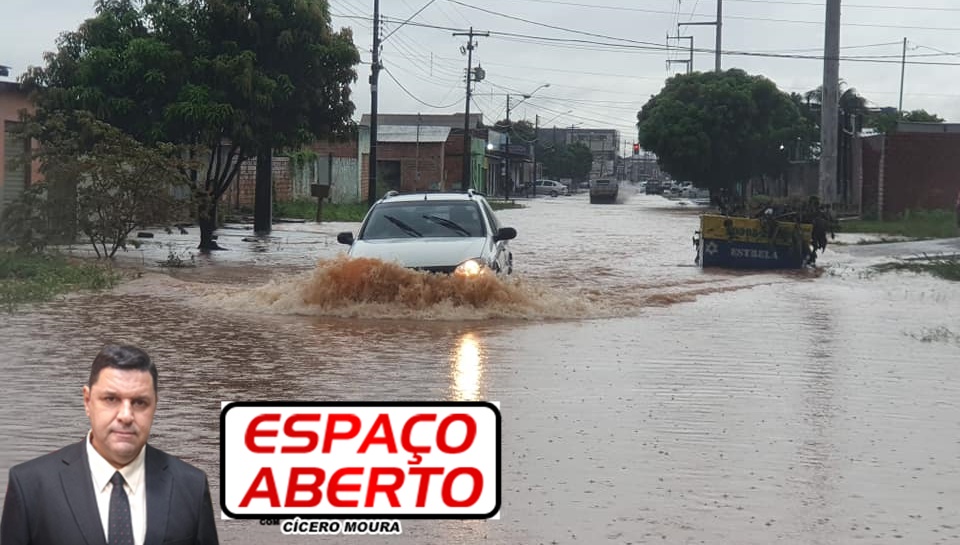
136 488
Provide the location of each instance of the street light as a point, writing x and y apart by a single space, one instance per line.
509 181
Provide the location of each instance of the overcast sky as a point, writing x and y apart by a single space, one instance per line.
619 61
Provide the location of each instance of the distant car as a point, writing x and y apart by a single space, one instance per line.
550 187
604 191
691 192
653 188
453 233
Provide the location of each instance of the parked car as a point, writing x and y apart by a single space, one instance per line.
653 187
454 233
550 187
604 191
692 192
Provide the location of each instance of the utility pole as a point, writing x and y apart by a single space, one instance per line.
830 104
719 24
719 32
465 182
509 182
419 121
374 78
536 142
689 61
903 70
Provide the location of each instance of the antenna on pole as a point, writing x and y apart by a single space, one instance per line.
467 50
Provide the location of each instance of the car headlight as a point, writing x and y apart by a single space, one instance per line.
470 268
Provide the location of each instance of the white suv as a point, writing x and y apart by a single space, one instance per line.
437 232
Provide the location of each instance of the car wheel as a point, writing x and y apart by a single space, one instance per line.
554 193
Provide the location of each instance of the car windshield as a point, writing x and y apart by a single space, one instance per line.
423 218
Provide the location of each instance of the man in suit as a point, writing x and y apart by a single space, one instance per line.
111 488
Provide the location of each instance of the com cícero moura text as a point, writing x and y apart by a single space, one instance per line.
299 526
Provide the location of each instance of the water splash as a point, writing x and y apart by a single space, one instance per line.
372 289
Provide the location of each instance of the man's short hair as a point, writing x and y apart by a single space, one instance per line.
124 357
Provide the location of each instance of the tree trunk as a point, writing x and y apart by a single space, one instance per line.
263 205
207 220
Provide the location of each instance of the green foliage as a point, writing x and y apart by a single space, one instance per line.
717 129
36 278
302 157
912 223
520 131
574 161
886 121
119 183
946 268
26 221
306 209
228 77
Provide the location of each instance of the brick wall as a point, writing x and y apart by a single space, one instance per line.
432 164
871 175
339 149
920 171
242 193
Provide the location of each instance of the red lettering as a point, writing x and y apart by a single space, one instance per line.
425 473
382 423
332 434
374 487
311 436
335 487
447 491
467 440
250 438
312 488
265 474
408 430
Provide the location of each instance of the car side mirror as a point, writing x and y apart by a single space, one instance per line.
345 238
506 233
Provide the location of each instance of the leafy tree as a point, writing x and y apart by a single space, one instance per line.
574 161
520 131
719 128
118 183
886 120
581 161
230 78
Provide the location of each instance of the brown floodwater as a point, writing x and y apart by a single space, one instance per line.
643 399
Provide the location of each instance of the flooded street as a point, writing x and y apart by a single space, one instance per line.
643 399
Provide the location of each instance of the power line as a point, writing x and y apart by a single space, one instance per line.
657 47
781 2
425 6
661 12
414 97
554 27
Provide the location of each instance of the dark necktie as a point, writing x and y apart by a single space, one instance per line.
121 529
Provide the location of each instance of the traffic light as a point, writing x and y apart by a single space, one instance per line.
636 149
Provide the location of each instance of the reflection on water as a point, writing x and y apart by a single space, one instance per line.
467 369
644 400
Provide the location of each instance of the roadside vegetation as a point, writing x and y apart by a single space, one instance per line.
33 278
504 205
947 268
913 224
306 209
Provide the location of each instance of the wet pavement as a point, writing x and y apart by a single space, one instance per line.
643 399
